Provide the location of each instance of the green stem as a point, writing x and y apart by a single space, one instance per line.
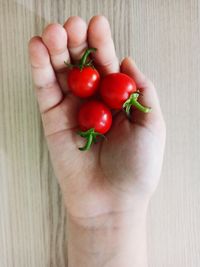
91 137
88 144
133 101
85 56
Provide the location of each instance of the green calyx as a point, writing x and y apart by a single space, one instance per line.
133 101
91 137
84 62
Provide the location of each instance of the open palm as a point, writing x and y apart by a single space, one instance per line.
124 168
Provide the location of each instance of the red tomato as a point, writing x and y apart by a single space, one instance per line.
118 91
116 88
83 79
96 115
83 82
94 120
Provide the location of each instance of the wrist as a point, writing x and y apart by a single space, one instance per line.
109 221
117 239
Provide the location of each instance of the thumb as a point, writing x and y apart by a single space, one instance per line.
149 96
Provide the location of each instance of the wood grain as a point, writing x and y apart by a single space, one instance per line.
164 39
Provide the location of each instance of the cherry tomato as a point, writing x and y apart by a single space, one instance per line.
118 91
83 79
83 83
94 120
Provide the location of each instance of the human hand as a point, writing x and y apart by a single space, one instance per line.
116 176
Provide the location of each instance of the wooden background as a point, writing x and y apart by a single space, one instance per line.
164 38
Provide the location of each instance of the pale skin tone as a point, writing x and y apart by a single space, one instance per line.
107 189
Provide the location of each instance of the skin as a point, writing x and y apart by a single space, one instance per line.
107 189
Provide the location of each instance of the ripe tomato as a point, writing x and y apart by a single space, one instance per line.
119 91
83 79
83 83
94 120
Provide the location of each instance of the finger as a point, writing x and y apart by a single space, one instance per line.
55 39
48 90
149 96
99 36
76 29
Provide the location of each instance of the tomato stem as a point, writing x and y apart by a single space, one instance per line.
69 65
133 101
88 143
83 61
91 137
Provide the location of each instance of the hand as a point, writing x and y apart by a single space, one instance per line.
116 176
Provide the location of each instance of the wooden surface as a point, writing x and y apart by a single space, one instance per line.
164 38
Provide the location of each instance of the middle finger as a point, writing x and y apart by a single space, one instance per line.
76 29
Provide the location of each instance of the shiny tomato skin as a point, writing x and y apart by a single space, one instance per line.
83 83
116 88
94 114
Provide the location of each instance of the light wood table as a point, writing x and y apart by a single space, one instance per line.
164 39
